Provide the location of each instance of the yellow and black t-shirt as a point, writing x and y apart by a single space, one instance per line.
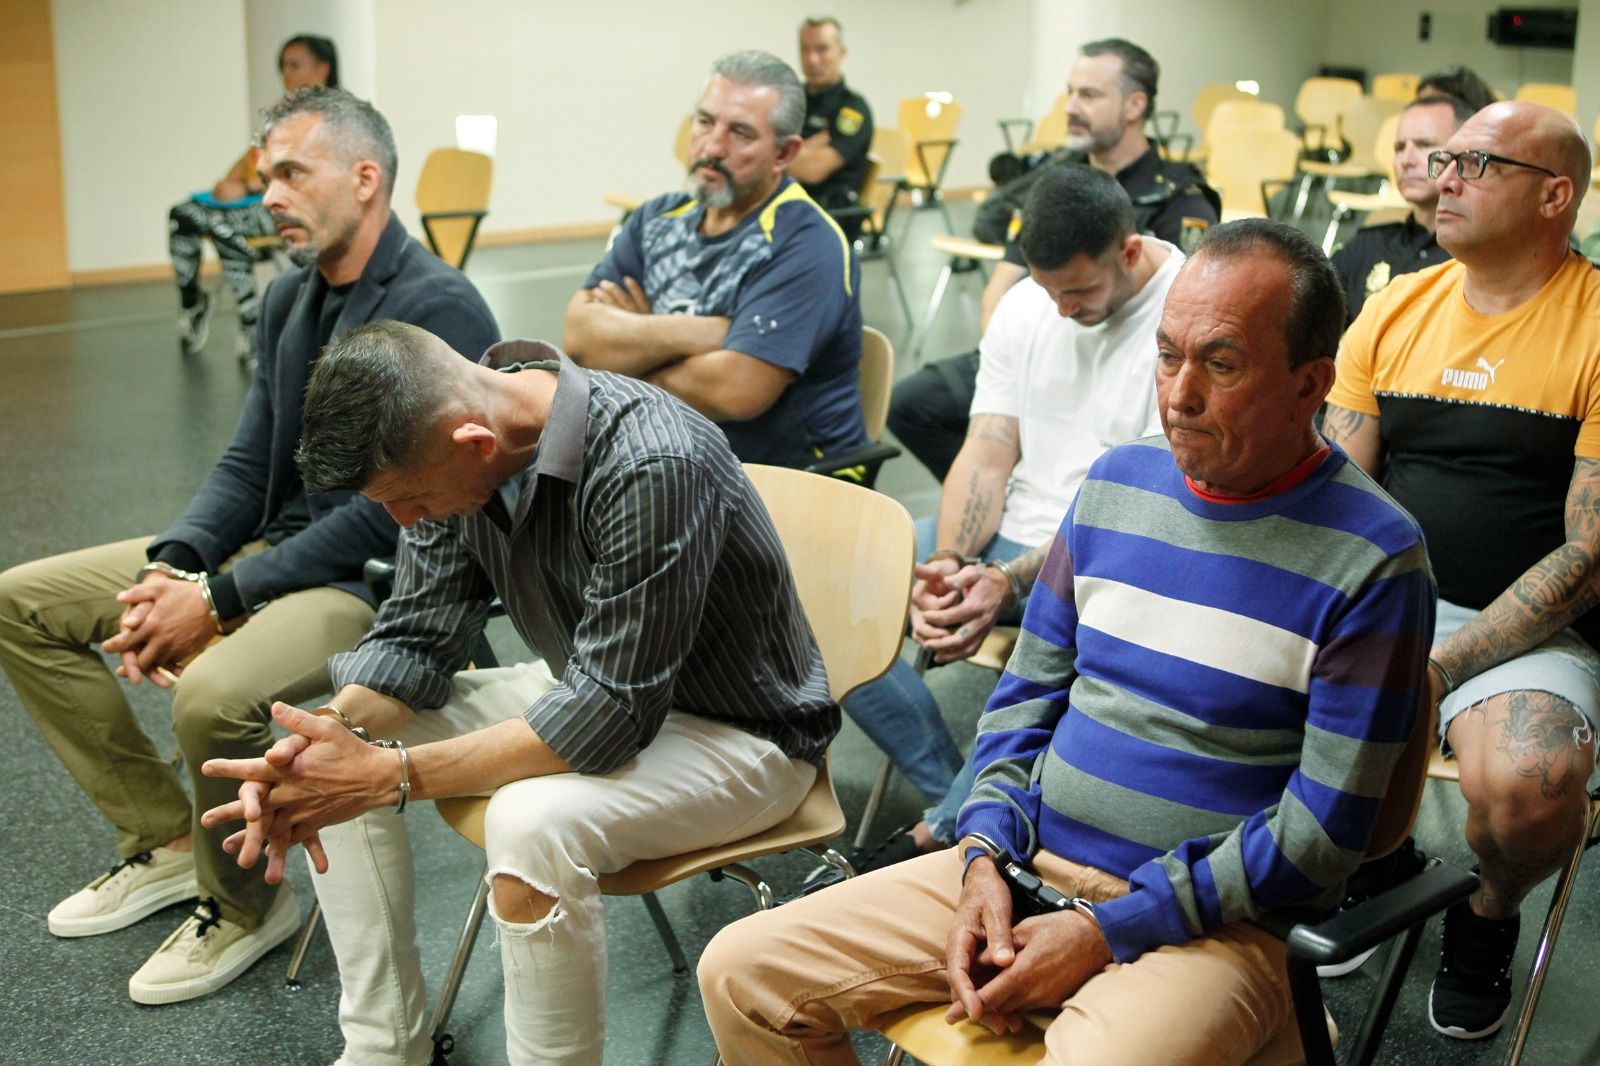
1481 416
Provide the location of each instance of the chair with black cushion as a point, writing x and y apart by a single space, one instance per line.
453 197
851 551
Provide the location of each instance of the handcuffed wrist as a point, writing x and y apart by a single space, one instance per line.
1013 582
328 710
405 770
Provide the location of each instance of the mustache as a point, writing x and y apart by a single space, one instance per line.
714 164
283 218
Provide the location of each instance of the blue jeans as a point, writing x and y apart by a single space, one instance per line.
941 817
901 716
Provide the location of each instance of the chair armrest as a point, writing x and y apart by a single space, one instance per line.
1350 932
870 457
1164 124
1005 131
944 162
431 215
379 577
1268 187
1172 145
1399 910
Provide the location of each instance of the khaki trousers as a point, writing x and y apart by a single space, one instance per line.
788 985
54 612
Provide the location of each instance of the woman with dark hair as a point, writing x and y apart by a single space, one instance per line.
231 213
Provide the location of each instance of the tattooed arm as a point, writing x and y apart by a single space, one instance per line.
953 607
1549 596
1358 435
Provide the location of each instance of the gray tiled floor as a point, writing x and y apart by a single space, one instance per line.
105 434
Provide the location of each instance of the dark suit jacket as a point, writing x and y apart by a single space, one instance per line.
256 476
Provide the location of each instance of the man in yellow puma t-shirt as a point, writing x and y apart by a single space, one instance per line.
1471 390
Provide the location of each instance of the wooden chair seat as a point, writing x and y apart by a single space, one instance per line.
818 819
967 248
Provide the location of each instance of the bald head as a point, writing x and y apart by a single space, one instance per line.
1526 201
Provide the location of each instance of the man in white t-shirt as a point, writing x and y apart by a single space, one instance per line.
1066 371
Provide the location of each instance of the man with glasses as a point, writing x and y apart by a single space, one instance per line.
1376 255
1472 391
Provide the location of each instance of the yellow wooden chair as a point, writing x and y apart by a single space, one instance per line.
1318 105
1361 124
963 255
1385 202
851 551
1401 88
1563 98
1182 146
453 197
932 122
1246 164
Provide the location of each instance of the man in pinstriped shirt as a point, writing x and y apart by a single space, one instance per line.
681 701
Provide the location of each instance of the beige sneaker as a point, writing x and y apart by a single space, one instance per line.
139 885
208 951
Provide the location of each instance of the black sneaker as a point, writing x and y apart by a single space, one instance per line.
1471 994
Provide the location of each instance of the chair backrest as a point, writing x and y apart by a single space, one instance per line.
928 120
1360 123
1244 157
877 380
1320 100
1383 147
1398 810
453 179
892 146
1051 131
1398 87
851 550
1207 99
680 145
1561 97
1246 114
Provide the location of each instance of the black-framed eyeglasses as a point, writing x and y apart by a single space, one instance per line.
1471 163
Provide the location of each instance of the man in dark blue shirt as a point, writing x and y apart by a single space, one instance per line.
741 298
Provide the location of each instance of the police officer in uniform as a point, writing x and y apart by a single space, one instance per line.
838 127
1111 90
1377 254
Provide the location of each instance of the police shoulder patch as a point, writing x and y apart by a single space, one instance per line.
849 121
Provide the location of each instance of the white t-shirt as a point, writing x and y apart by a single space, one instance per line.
1075 391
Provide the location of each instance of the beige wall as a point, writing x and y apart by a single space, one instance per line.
591 105
1381 35
152 103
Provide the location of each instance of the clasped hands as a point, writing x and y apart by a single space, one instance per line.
998 970
165 620
953 606
319 775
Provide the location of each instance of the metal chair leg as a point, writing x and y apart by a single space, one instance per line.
291 978
874 798
899 287
921 333
669 939
442 1041
751 880
1547 937
894 1056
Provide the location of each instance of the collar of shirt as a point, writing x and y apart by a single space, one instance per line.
559 452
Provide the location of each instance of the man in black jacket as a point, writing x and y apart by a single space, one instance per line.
254 556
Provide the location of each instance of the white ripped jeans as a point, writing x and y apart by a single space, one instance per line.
699 784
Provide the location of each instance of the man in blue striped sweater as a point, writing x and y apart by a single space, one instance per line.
1219 665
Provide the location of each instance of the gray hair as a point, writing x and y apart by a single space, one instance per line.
373 396
765 70
353 125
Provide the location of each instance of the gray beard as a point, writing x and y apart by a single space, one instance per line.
303 255
716 197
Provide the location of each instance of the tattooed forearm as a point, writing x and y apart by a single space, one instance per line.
976 522
1549 596
1027 565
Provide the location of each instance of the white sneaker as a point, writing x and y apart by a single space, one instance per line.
133 888
208 951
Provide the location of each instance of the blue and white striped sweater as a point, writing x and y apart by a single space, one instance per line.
1207 699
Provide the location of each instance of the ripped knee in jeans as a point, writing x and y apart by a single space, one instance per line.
519 901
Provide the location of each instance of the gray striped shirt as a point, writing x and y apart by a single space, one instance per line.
638 561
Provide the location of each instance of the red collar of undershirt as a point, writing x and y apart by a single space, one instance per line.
1299 473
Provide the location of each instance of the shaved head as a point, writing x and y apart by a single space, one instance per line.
1538 134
